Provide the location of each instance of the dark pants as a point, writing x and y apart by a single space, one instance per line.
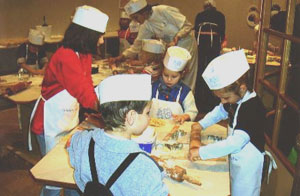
204 98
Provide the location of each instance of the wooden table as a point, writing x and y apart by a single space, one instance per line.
55 169
32 93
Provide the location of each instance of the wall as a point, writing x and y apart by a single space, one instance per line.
17 16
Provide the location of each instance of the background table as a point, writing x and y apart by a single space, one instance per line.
55 169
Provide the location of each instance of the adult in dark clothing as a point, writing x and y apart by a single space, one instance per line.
210 33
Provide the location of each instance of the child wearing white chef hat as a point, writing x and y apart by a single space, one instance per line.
227 76
31 56
67 84
125 104
150 58
171 98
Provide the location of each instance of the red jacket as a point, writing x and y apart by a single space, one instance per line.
66 71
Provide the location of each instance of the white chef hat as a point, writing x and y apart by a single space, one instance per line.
125 87
90 18
211 2
123 14
176 58
36 37
225 69
134 6
153 46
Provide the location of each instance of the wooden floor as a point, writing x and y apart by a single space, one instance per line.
15 161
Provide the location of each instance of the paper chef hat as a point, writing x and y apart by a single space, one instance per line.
134 6
176 58
123 14
36 37
90 18
153 46
225 69
125 87
211 2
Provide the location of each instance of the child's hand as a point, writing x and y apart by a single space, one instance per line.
148 70
194 154
181 118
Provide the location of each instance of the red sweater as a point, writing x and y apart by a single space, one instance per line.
66 71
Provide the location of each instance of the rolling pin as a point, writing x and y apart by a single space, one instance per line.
195 137
176 173
195 140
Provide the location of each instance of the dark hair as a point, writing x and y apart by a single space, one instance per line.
235 87
148 8
114 113
81 39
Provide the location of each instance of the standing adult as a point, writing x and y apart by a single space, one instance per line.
31 56
165 23
68 83
210 33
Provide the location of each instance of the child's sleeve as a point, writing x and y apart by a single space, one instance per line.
232 144
189 106
75 147
214 116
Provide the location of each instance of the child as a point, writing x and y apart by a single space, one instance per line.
67 82
31 56
171 97
226 76
150 58
125 106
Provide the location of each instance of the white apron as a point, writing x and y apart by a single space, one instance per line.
164 109
211 32
61 114
245 166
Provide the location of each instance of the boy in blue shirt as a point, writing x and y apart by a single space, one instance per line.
124 105
171 98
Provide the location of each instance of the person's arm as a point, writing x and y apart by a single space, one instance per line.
30 69
136 47
214 116
222 26
189 106
174 16
72 75
232 144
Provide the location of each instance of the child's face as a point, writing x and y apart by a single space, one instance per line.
227 96
142 121
171 77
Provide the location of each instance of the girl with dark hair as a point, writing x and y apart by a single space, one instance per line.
81 39
68 83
